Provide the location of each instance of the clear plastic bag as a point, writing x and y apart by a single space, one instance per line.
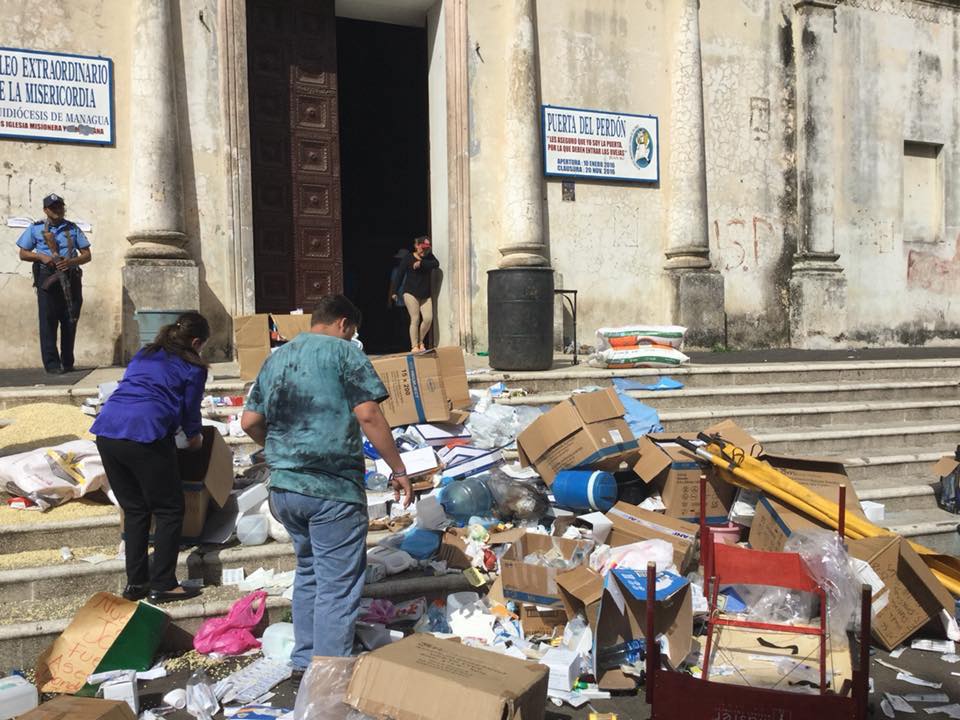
829 564
323 689
516 499
201 699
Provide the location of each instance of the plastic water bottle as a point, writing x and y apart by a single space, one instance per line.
463 499
253 529
629 653
376 482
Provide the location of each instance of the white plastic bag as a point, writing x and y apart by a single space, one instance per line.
52 476
632 335
641 356
323 689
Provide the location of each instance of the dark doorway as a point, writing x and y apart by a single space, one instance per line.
382 79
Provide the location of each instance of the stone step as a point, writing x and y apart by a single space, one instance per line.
77 394
849 439
730 375
819 415
935 529
704 398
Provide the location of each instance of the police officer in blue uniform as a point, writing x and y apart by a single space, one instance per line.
57 248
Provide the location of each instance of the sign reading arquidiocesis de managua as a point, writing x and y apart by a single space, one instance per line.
56 97
600 145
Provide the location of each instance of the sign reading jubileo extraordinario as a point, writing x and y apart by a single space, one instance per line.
600 145
56 97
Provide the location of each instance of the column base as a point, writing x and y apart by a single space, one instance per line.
155 284
698 297
818 305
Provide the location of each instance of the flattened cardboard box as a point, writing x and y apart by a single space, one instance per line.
911 597
537 620
623 616
68 707
424 677
676 474
585 431
251 338
633 524
534 583
424 387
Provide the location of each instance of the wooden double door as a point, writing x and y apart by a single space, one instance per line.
295 164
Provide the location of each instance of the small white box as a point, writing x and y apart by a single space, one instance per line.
417 462
251 497
17 696
123 688
875 512
439 434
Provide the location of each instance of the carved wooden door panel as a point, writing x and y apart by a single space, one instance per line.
295 163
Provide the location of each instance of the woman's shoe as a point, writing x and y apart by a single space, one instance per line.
135 592
158 597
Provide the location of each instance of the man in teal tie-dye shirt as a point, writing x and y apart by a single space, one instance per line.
310 401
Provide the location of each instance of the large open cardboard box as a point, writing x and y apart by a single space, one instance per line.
425 677
535 583
251 338
424 387
584 431
632 524
911 595
67 707
623 616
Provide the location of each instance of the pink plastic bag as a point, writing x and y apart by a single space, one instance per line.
231 635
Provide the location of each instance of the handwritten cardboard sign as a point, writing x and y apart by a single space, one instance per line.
65 665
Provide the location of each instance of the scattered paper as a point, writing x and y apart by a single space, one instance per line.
950 658
898 652
519 473
887 708
914 680
952 711
898 703
888 665
153 673
231 576
945 647
927 697
96 559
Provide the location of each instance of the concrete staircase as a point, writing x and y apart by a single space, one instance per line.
887 420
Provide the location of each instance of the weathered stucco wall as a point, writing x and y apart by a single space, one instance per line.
93 180
608 243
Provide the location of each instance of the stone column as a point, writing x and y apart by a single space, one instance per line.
522 243
698 296
818 288
158 272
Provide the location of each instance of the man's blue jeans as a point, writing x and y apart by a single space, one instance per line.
330 540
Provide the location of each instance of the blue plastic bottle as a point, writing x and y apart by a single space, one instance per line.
463 499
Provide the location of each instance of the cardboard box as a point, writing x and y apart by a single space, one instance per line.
425 677
536 620
623 616
534 583
596 525
107 633
424 387
251 338
584 431
419 462
633 524
207 476
910 596
68 707
774 522
580 592
757 665
676 474
463 460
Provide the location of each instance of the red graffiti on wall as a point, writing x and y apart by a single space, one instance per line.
927 271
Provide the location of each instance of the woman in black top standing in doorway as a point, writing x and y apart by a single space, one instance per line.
417 290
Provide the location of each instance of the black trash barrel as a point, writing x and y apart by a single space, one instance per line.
520 318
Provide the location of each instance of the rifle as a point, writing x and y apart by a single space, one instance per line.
60 276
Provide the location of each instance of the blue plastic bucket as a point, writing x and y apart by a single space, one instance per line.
585 490
149 323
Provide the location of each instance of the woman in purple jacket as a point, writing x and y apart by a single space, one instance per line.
160 393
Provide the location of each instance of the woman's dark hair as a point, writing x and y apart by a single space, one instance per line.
421 239
177 338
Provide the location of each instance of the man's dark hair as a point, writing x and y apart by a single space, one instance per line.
330 308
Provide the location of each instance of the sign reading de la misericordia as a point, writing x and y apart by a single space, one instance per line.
56 97
600 145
